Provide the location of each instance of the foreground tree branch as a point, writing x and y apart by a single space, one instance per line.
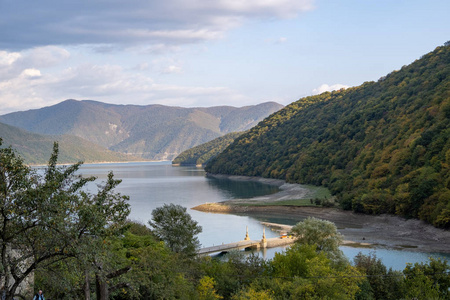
46 218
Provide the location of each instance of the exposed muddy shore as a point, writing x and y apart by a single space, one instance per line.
381 230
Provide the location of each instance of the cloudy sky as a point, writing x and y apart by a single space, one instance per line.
205 52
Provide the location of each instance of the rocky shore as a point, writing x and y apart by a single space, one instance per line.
388 231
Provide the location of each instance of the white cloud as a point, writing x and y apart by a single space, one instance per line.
108 83
185 35
280 8
8 58
31 73
279 40
172 69
46 56
158 49
107 23
14 63
34 71
328 88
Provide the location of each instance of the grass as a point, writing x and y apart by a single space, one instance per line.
315 192
318 192
293 202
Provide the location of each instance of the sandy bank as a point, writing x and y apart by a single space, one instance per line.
382 230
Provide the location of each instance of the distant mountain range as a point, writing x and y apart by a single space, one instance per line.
36 148
153 132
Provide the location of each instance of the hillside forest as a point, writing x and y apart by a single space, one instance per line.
201 154
79 244
382 147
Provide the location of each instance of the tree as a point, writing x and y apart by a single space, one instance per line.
301 272
47 218
428 280
251 294
382 283
321 233
172 224
206 289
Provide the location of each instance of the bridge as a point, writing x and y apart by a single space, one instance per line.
231 246
248 244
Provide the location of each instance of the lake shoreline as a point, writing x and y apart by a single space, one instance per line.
385 231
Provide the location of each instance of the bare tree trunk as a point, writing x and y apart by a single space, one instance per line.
101 288
86 286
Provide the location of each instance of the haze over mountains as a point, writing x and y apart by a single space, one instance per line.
36 148
153 132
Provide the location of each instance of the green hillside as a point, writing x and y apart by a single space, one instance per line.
36 149
154 132
382 147
201 154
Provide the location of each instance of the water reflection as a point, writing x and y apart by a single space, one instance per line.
236 189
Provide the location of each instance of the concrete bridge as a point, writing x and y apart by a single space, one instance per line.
231 246
248 244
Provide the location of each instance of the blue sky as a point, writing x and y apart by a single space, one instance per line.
205 53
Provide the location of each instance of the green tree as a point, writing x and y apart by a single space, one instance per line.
234 272
206 289
172 224
50 217
156 272
251 294
428 280
322 233
382 283
309 274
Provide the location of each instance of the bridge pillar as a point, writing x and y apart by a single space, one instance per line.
264 240
247 238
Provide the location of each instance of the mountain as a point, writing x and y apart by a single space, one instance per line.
382 147
152 131
36 149
203 153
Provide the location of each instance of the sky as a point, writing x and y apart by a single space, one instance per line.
192 53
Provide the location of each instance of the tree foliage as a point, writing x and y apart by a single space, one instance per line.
49 217
380 283
201 154
382 147
172 224
321 233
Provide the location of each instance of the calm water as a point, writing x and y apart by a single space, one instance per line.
150 185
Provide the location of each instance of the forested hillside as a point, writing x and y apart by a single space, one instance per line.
203 153
35 148
382 147
153 132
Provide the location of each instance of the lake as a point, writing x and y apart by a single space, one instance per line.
151 184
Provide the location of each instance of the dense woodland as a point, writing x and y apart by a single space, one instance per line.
304 271
382 147
201 154
79 244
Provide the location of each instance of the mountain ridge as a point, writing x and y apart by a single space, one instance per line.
201 154
36 149
155 132
382 147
